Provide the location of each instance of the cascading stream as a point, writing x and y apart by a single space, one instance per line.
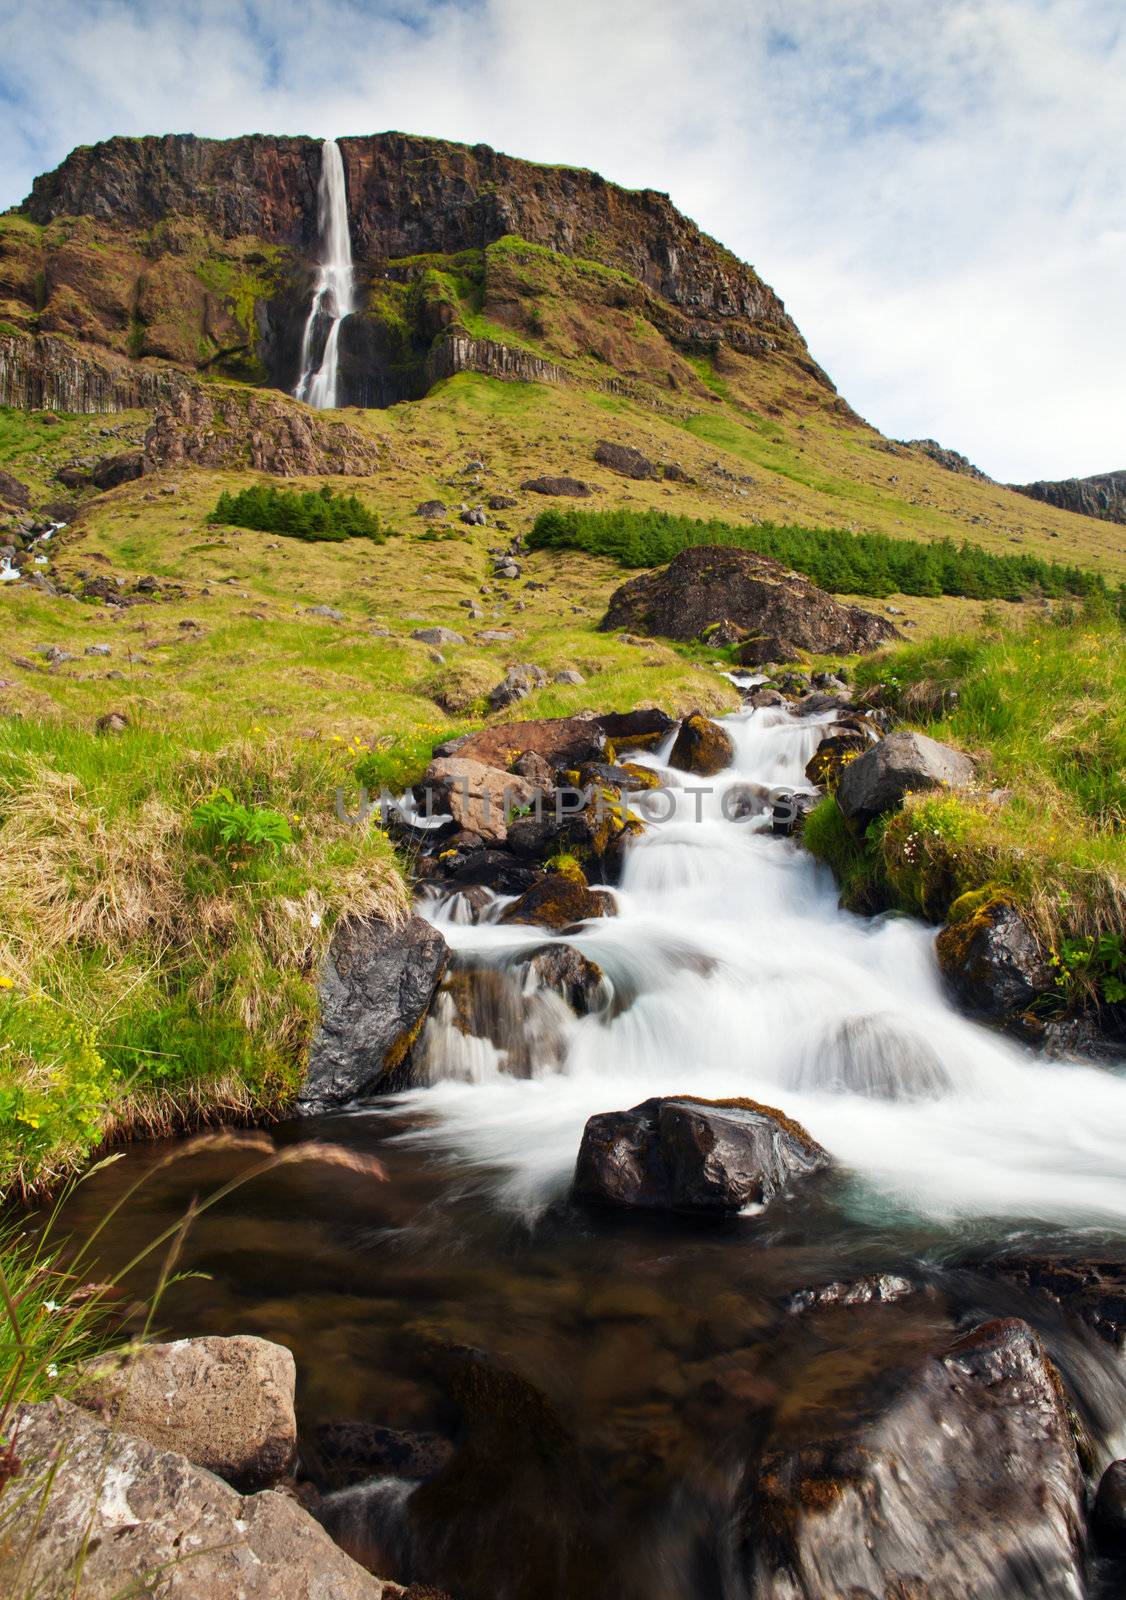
737 974
333 294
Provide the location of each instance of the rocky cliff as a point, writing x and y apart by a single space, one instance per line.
1103 495
201 253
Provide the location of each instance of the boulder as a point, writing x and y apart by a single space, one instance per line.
501 502
563 741
558 901
960 1480
1108 1516
431 510
569 677
991 962
708 584
1094 1290
344 1452
517 683
562 968
563 486
684 1154
104 1515
837 749
536 768
624 459
535 838
636 730
701 747
899 765
13 492
226 1404
438 636
111 471
374 992
330 613
495 869
478 797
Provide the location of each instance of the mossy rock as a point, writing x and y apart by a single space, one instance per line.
701 747
990 959
557 902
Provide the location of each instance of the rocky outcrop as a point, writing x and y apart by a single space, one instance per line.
710 584
227 1404
625 460
56 374
950 459
1102 496
227 427
991 962
963 1481
103 1514
701 747
685 1154
899 765
457 351
575 488
376 987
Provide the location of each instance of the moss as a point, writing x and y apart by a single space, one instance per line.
740 1102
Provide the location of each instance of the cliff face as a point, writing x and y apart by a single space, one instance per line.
202 253
1102 496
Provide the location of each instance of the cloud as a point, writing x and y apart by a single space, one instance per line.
936 189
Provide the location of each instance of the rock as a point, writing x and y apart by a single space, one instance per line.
97 650
562 486
581 982
636 730
111 471
536 769
437 636
54 653
788 814
569 676
344 1452
991 962
106 1515
13 492
562 741
475 518
833 754
431 510
518 682
495 635
882 1288
226 1404
535 838
478 797
112 722
375 988
1108 1516
623 458
900 764
817 703
1093 1290
961 1479
497 870
685 1154
228 425
501 502
558 901
328 612
708 584
1103 495
701 747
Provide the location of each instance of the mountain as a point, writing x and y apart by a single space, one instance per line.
1103 495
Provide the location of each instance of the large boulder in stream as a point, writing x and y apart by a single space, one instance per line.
899 765
963 1481
710 584
375 990
702 747
559 901
679 1153
479 798
991 962
98 1513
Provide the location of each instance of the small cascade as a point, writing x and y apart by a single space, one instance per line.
333 294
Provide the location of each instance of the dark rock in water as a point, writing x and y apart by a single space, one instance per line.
991 962
833 754
1108 1516
702 747
561 967
708 584
685 1154
1092 1290
963 1485
883 1288
758 698
344 1452
534 838
111 471
495 869
625 459
374 992
901 764
557 901
563 486
819 701
637 730
789 813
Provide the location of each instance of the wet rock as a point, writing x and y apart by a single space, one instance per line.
991 962
108 1515
708 584
559 486
374 992
684 1154
517 683
1093 1290
900 764
1108 1516
581 982
558 901
497 870
437 636
819 701
833 754
535 838
431 510
963 1482
760 698
344 1452
112 471
882 1288
226 1404
624 459
637 730
701 747
478 797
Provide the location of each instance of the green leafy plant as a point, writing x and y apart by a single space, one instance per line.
1096 963
226 825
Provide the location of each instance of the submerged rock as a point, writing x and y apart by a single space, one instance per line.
964 1482
105 1515
899 765
562 968
991 962
1108 1516
685 1154
558 901
375 989
227 1404
702 747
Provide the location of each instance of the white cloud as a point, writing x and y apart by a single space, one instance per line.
937 189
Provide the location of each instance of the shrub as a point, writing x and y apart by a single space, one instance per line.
225 824
316 515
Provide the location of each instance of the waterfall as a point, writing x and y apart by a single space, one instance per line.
332 297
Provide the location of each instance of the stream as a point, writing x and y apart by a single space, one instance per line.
628 1370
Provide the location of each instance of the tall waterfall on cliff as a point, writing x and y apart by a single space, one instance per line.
332 297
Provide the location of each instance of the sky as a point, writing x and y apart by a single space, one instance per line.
936 188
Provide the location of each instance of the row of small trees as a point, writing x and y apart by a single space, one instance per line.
316 514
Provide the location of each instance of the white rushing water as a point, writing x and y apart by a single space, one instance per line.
735 973
332 296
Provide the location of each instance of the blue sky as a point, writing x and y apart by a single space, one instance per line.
938 189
